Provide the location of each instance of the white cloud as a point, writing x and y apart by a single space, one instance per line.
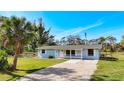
77 30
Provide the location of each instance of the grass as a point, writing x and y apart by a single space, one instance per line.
110 70
27 65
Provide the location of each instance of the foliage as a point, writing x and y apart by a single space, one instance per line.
3 61
33 45
122 43
73 40
9 51
122 37
18 32
17 29
50 56
101 40
50 41
43 36
111 39
108 43
93 41
70 40
102 55
63 41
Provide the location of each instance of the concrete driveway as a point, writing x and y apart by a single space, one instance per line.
71 70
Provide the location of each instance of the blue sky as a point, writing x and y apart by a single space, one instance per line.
64 23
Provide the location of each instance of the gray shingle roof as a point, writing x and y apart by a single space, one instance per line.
65 47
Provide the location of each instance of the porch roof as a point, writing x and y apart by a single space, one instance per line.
72 47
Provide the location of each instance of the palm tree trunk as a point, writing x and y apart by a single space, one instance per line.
15 62
5 43
17 52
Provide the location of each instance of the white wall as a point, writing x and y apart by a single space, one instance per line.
54 53
85 54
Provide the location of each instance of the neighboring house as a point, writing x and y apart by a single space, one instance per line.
70 51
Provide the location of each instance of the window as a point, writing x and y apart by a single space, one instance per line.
67 52
43 51
73 52
90 52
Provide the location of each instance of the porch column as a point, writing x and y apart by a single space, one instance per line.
64 53
81 54
70 54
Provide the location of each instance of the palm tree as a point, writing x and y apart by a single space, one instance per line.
122 43
3 38
18 32
101 40
123 37
111 40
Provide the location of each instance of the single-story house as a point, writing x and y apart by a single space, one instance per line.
70 51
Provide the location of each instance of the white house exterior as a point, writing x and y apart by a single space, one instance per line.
70 51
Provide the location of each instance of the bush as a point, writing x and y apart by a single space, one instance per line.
50 56
3 61
9 52
102 55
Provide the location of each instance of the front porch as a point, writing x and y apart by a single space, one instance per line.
71 54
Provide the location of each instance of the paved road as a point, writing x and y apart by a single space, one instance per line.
71 70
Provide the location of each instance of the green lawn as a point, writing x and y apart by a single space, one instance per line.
28 65
110 70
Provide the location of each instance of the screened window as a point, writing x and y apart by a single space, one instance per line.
73 52
67 52
43 51
90 52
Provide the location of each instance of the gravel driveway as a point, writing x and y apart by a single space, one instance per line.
71 70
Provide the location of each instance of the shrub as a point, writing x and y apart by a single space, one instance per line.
50 56
9 52
102 55
3 61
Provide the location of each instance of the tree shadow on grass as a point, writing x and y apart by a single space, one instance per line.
16 76
13 76
102 78
98 78
31 70
109 58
